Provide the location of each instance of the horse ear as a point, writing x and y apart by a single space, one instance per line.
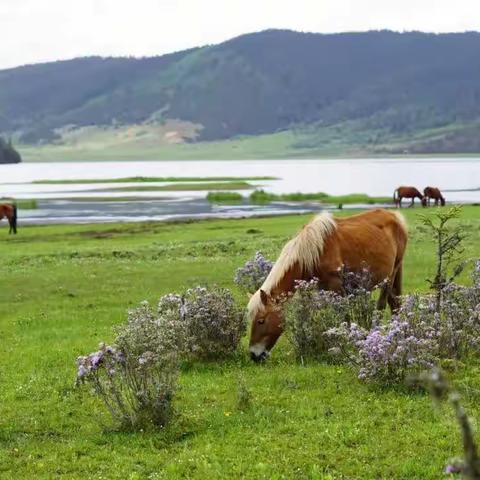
264 297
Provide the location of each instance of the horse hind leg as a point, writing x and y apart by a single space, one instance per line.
382 299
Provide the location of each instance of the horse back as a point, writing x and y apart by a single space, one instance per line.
432 192
409 192
376 239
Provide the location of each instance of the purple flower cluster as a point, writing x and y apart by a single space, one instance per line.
390 352
251 276
212 322
453 468
106 357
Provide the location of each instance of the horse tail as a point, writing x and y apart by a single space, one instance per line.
442 200
14 218
395 196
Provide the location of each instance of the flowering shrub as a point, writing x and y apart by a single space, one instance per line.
387 353
358 304
212 324
308 315
417 337
312 312
458 321
136 378
251 276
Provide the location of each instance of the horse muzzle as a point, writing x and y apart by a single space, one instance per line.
260 357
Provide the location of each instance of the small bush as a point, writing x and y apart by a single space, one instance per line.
261 196
213 324
312 312
136 378
251 276
388 353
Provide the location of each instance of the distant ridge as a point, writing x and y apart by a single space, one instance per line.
387 83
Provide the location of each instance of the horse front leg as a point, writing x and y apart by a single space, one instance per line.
382 299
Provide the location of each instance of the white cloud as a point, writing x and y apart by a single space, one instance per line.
43 30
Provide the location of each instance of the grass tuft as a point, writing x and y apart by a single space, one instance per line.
224 197
261 196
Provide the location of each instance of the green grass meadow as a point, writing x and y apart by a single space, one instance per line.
63 288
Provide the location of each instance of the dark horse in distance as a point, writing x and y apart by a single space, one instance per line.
10 213
407 192
434 192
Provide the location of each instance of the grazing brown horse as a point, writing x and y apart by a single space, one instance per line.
376 239
434 192
407 192
10 213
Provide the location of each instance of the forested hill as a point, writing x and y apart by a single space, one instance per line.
7 153
257 83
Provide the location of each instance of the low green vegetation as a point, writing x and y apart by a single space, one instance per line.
150 180
24 204
181 187
278 145
64 288
261 196
129 198
224 197
349 139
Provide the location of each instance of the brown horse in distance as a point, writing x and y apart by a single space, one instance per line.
376 239
434 192
407 192
9 211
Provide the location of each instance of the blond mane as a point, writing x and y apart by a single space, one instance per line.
305 250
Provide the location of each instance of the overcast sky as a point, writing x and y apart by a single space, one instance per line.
43 30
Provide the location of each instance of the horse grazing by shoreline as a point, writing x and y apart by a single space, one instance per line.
376 239
408 192
434 192
9 211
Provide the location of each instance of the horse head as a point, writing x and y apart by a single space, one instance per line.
266 320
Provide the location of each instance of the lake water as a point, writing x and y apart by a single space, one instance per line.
459 178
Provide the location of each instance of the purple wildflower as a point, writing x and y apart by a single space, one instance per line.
251 276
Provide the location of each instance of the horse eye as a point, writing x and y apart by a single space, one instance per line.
261 321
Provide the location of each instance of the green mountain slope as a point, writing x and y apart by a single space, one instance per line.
377 87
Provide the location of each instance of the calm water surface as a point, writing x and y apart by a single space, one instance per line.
459 177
